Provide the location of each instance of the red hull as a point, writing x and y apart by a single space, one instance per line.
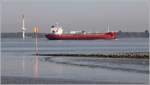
109 35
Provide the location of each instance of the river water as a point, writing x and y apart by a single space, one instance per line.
17 60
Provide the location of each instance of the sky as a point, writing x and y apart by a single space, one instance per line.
88 15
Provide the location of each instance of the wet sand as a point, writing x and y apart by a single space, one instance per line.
73 70
25 80
28 80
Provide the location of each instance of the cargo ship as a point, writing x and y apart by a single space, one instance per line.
56 33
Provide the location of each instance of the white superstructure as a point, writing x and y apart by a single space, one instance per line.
55 29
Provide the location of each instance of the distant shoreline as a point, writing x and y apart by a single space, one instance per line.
120 34
137 55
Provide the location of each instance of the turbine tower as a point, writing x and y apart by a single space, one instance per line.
23 27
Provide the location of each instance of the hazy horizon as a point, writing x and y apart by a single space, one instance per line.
88 15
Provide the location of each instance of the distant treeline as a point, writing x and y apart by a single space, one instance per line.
19 35
144 34
120 34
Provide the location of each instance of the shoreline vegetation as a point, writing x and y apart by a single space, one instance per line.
137 55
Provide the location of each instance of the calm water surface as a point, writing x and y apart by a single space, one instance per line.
17 60
76 46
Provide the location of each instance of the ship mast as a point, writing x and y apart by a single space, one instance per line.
23 27
108 28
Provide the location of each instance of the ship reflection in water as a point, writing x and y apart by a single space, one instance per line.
36 67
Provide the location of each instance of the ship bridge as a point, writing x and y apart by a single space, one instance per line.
55 29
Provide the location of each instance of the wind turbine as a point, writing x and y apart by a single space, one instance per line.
23 27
